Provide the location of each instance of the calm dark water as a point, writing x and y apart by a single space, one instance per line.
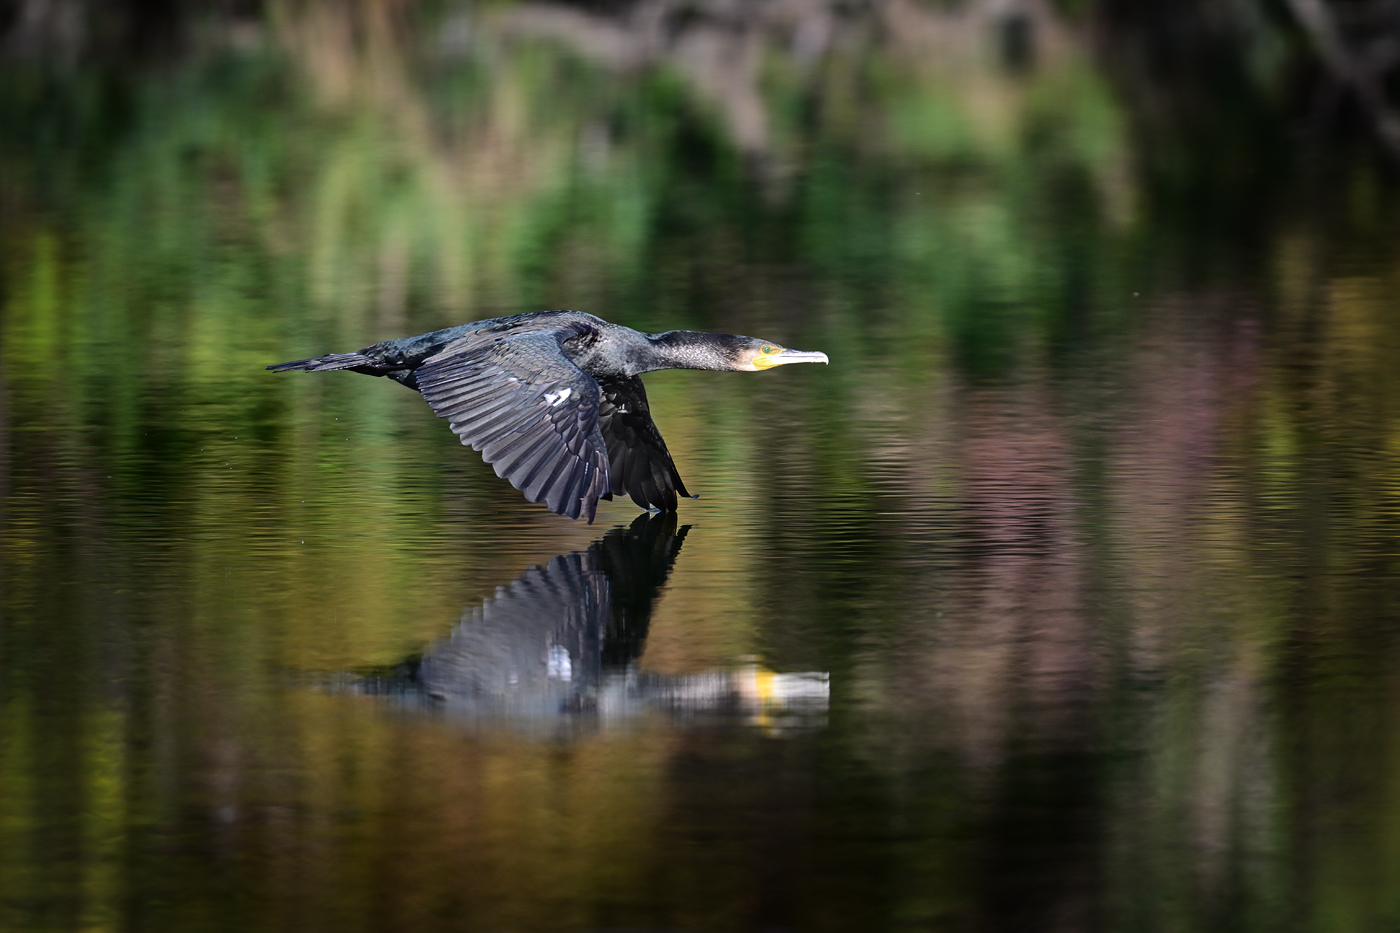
1065 598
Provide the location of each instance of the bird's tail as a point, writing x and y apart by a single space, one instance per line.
324 363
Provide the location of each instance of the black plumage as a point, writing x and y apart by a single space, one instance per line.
553 400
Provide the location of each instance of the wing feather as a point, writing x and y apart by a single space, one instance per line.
638 461
530 411
525 443
527 464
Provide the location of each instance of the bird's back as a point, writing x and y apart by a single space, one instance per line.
409 352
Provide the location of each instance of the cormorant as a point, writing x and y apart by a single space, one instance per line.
553 401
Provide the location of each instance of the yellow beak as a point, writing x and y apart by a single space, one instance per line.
783 357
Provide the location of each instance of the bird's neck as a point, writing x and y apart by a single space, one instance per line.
686 349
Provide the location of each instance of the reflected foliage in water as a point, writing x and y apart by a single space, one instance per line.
1092 520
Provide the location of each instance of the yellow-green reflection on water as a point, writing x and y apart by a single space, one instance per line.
1091 520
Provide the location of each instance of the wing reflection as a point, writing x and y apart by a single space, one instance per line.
563 639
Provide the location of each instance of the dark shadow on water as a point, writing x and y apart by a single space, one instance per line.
561 643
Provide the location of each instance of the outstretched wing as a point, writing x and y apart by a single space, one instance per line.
529 410
638 462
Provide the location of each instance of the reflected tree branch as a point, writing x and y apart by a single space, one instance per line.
1359 73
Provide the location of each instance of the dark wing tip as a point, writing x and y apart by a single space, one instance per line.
641 465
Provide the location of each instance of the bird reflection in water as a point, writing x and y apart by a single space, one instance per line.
562 642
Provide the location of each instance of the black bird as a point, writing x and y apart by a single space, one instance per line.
552 399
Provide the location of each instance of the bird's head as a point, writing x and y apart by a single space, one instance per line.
753 355
689 349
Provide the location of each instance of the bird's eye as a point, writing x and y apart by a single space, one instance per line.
767 349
